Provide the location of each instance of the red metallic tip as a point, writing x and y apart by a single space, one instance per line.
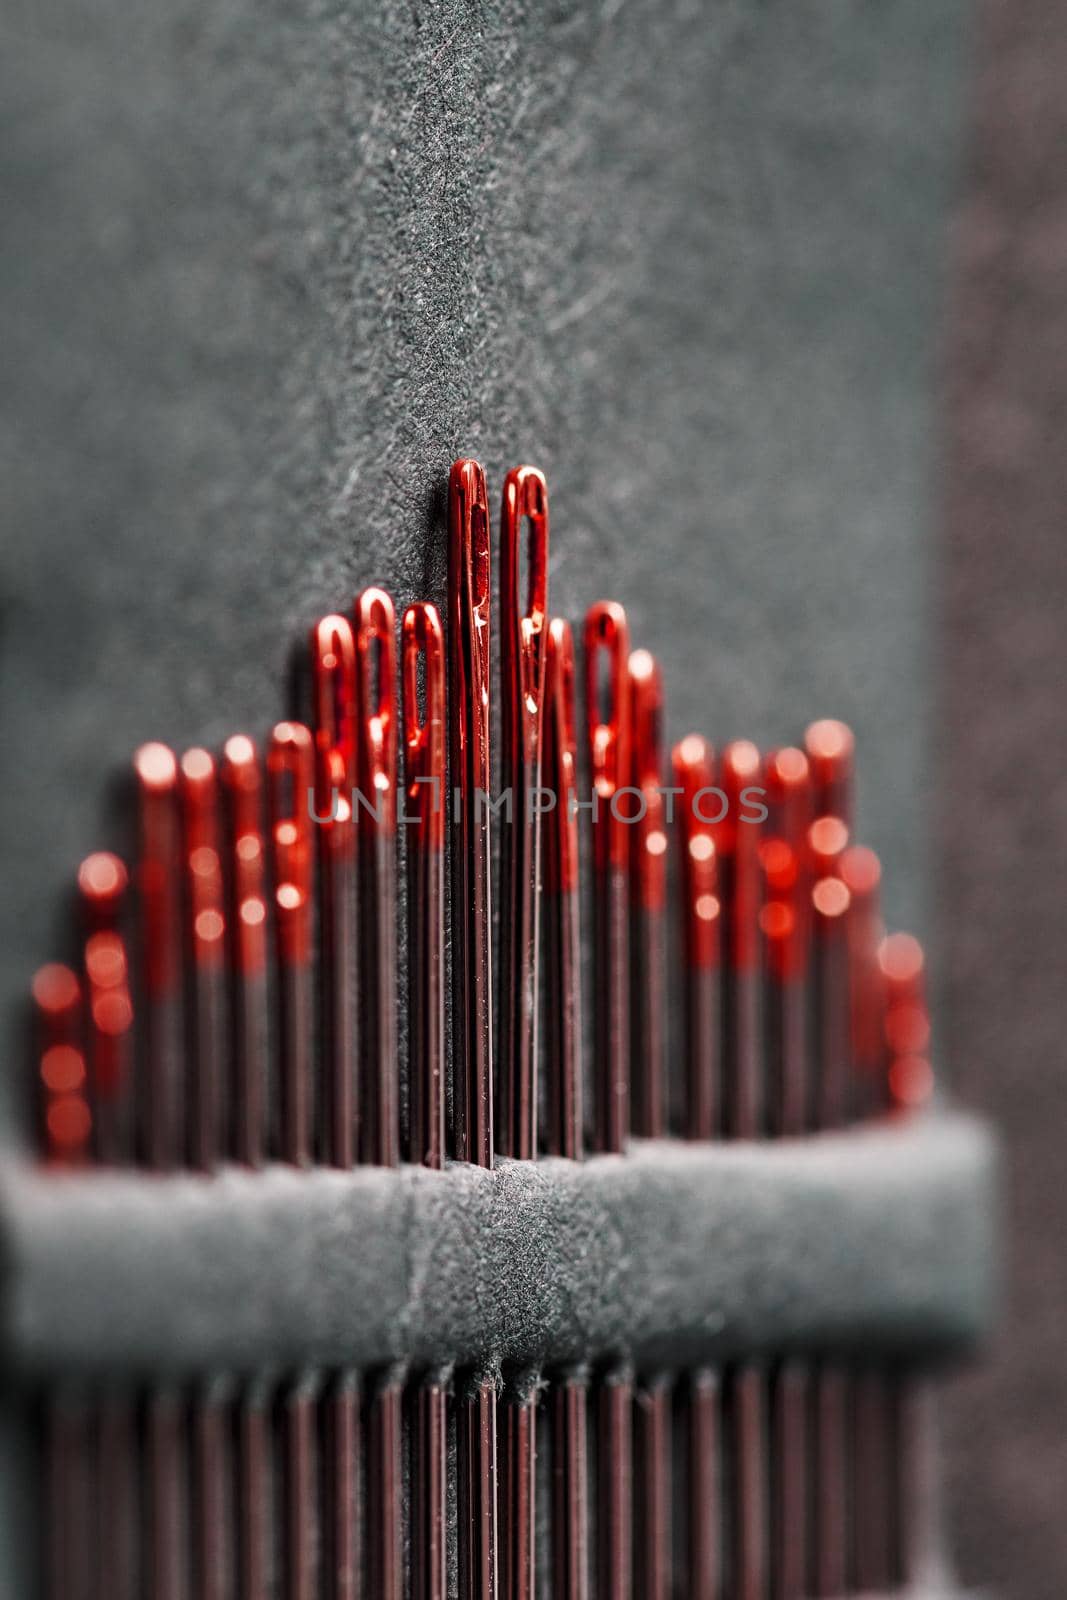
907 1021
831 751
240 774
827 842
156 768
57 996
902 960
561 757
785 859
199 785
102 885
105 961
110 1009
376 733
156 771
646 689
241 777
911 1082
290 776
522 632
649 835
468 506
333 671
607 706
742 768
102 882
66 1117
739 837
694 773
424 732
830 898
790 800
861 872
469 604
468 619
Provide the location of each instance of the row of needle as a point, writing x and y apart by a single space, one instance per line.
252 1017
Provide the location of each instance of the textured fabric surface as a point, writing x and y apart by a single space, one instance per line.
271 267
880 1241
1003 809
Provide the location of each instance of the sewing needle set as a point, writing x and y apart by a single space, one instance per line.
237 998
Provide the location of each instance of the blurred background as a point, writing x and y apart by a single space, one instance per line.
1000 762
777 296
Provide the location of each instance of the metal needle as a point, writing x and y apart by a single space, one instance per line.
376 776
290 774
163 1138
247 914
562 911
524 506
102 885
785 921
648 894
829 746
740 836
333 661
699 943
468 678
608 727
563 1070
701 936
522 675
247 1133
472 982
424 776
66 1128
206 968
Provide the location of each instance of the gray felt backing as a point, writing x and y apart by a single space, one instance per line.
877 1241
